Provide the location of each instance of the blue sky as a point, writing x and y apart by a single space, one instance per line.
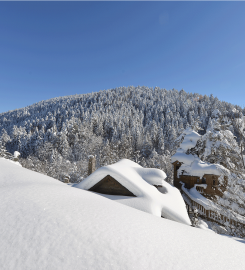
52 49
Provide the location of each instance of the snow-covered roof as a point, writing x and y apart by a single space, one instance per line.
125 170
140 182
199 168
192 165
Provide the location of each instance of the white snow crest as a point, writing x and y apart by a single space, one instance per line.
14 162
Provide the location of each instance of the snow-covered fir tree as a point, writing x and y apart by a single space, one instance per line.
3 152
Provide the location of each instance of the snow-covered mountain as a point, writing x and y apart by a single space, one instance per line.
46 224
139 123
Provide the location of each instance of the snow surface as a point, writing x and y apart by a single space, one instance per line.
241 240
46 224
14 162
140 182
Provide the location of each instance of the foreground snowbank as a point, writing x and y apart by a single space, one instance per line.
46 224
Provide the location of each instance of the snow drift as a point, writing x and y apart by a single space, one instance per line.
46 224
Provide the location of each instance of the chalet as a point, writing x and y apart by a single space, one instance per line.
211 180
190 170
142 188
107 184
114 180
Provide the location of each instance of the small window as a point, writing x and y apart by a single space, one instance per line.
214 182
203 180
197 180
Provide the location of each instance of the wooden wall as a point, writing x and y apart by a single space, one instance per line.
109 185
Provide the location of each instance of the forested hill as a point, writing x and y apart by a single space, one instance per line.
140 123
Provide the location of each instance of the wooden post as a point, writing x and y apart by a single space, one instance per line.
91 164
66 179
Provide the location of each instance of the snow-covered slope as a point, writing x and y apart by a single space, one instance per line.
46 224
140 182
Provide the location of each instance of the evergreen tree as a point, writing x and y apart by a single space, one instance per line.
3 152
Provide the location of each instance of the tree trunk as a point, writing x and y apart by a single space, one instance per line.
242 157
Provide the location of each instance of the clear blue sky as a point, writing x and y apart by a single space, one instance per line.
52 49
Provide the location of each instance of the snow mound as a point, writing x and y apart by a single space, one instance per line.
46 224
140 182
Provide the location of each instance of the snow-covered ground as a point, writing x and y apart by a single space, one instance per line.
46 224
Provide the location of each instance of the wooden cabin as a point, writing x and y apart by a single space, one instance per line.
109 185
141 188
211 180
